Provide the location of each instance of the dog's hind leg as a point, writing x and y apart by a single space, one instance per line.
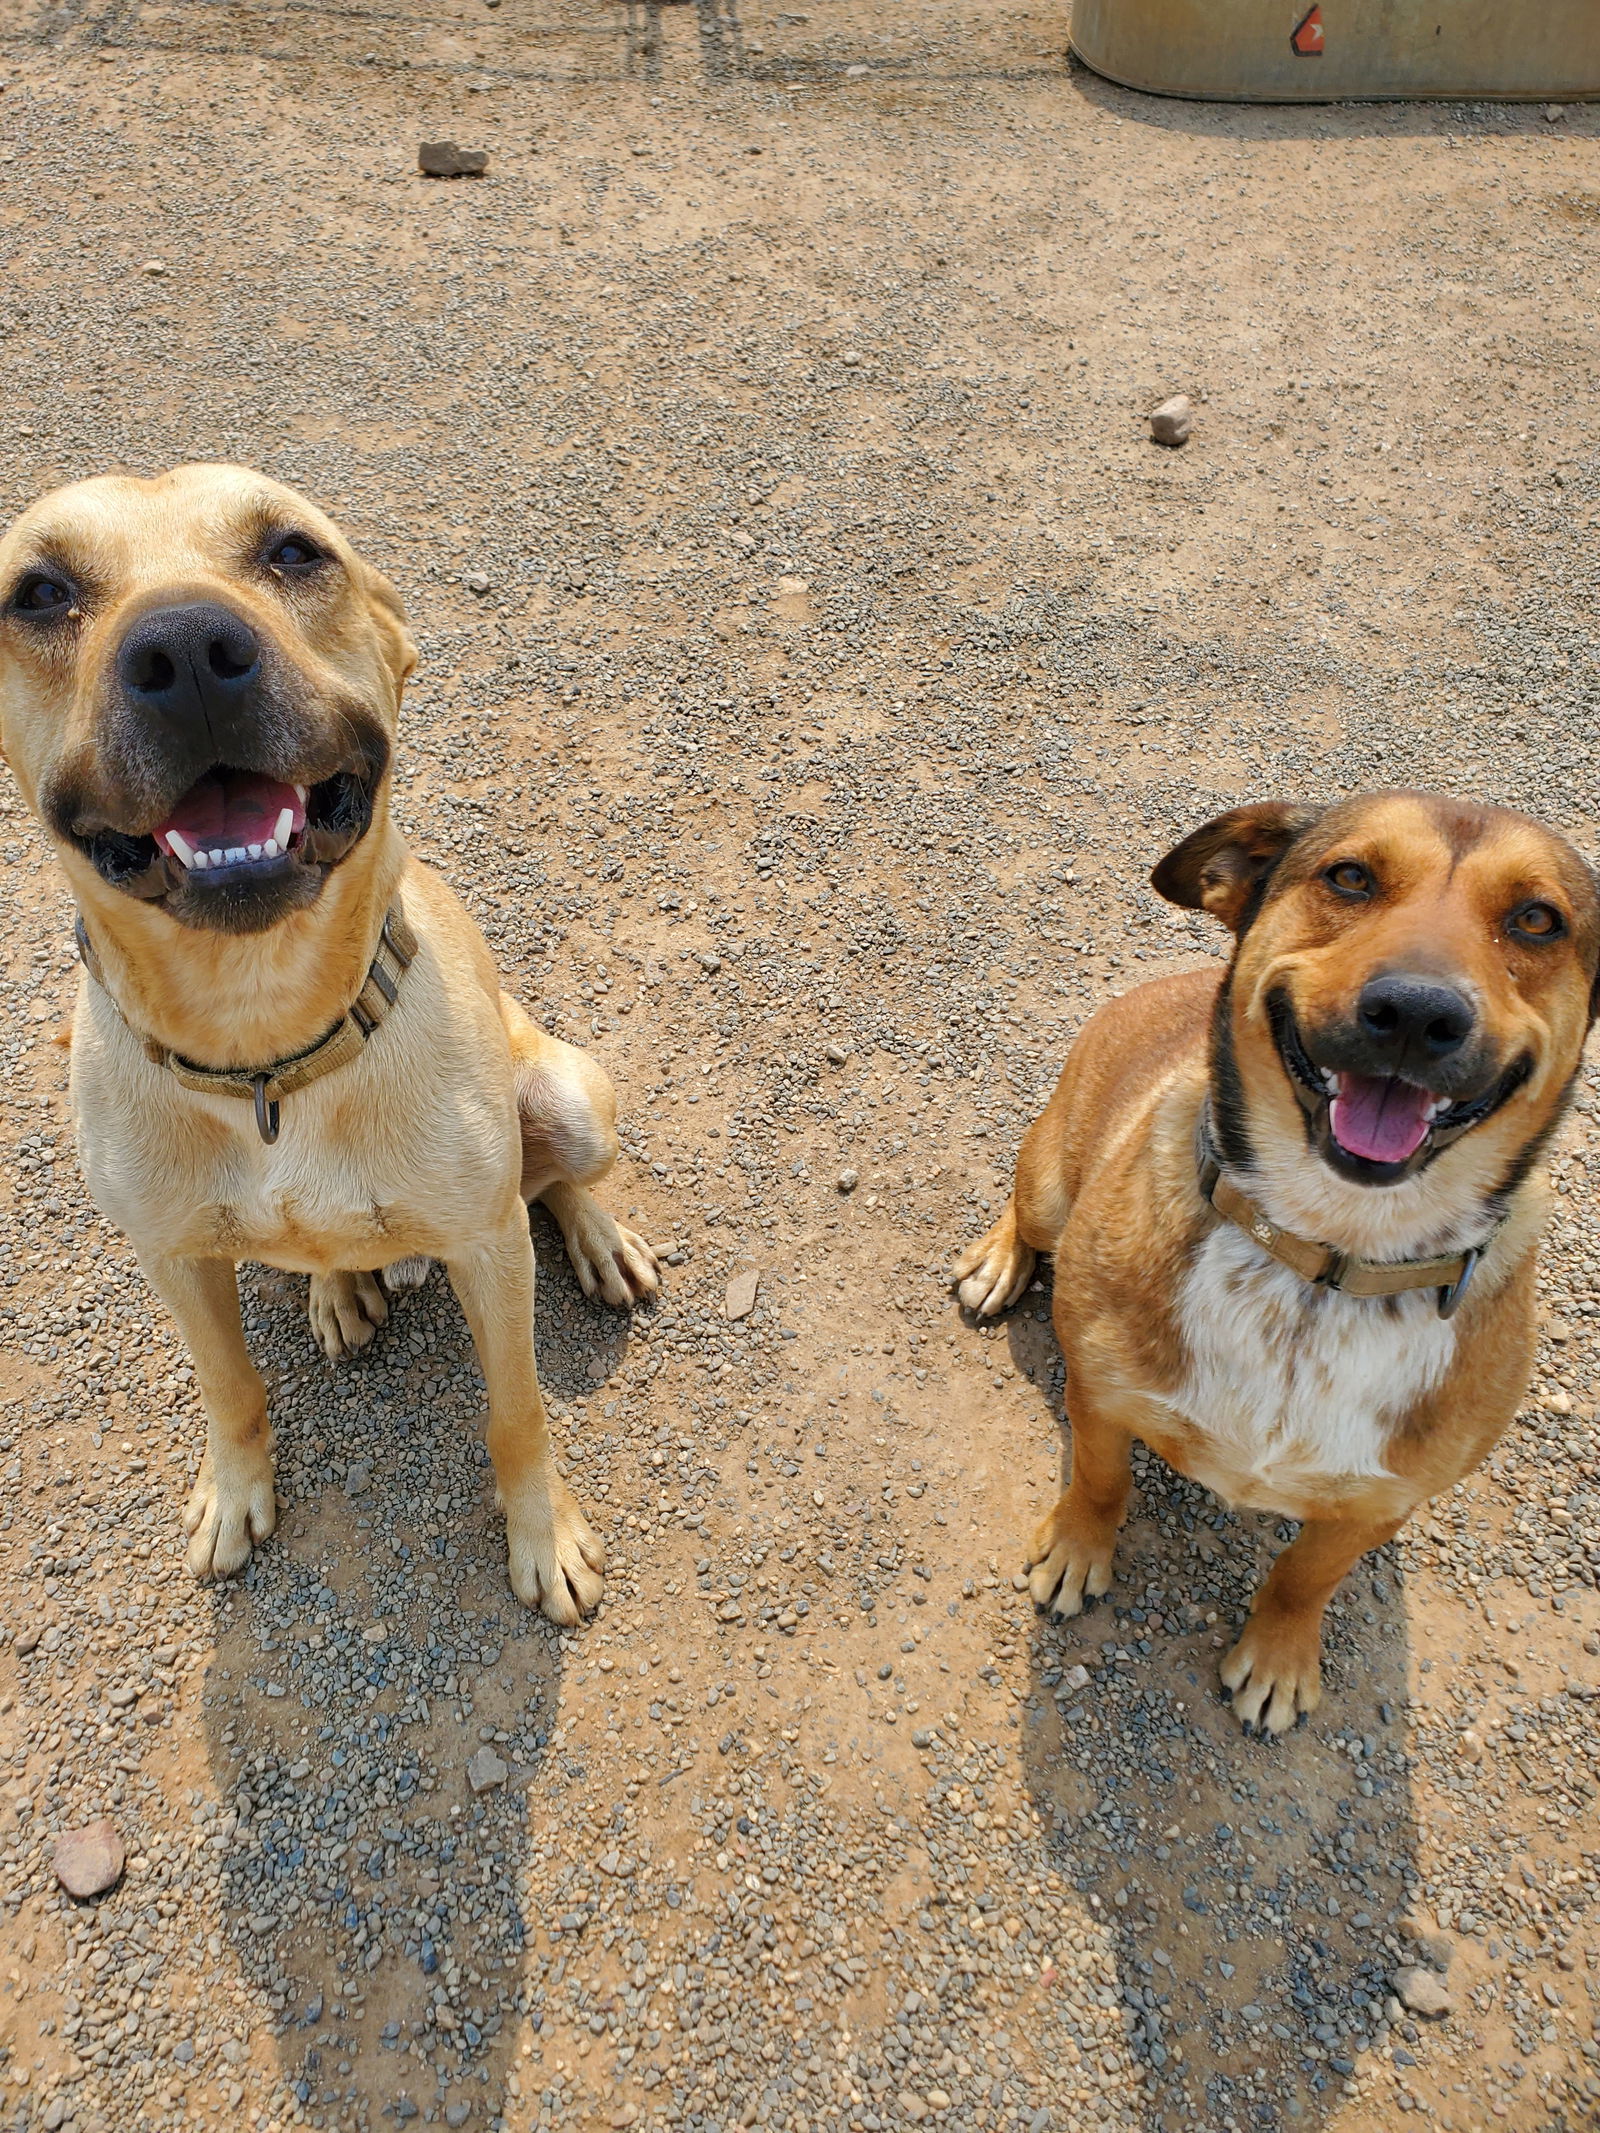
991 1274
347 1308
568 1109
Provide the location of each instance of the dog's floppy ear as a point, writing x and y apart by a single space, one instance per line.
1222 867
387 610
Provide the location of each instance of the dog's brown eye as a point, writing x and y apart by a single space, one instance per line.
1349 877
40 594
294 552
1537 922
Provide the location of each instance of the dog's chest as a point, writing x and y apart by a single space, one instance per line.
1295 1390
307 1205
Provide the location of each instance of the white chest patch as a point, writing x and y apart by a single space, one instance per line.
1298 1387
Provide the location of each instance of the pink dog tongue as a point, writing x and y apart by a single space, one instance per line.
1379 1118
232 808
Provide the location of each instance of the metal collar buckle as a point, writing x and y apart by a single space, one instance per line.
1451 1294
266 1113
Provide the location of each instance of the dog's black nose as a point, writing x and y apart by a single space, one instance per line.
196 666
1414 1021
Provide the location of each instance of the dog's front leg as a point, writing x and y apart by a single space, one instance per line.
1275 1669
555 1560
1073 1548
232 1506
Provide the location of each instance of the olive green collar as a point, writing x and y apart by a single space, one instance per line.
267 1086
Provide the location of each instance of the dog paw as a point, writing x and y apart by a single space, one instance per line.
1275 1672
991 1274
347 1308
229 1513
610 1261
406 1274
556 1561
1071 1558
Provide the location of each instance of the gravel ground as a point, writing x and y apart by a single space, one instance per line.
816 653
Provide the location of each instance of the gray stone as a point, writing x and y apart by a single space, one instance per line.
742 1292
485 1770
1172 421
88 1861
1423 1991
443 159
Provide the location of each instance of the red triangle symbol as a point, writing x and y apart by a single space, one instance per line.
1306 38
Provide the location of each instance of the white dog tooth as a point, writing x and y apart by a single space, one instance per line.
270 849
216 855
300 794
199 861
284 829
254 850
181 847
235 854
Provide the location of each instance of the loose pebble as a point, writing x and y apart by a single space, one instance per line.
90 1860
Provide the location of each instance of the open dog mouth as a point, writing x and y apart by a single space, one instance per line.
236 828
234 818
1379 1128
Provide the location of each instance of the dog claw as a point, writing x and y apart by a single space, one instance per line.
611 1263
992 1274
346 1308
227 1518
556 1562
1274 1675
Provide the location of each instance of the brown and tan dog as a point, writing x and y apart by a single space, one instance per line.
290 1042
1294 1214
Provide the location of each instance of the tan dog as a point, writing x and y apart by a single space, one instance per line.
290 1044
1294 1215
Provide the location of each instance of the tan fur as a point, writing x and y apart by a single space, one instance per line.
1107 1185
424 1147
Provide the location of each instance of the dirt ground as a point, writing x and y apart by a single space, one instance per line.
816 654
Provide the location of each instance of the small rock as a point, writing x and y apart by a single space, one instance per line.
90 1860
838 1053
1432 1947
485 1770
742 1292
1552 112
358 1478
154 266
848 1180
856 73
476 582
1076 1677
443 159
457 2113
912 2106
1171 422
1424 1992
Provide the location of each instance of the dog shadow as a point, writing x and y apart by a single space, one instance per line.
1252 1890
379 1707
